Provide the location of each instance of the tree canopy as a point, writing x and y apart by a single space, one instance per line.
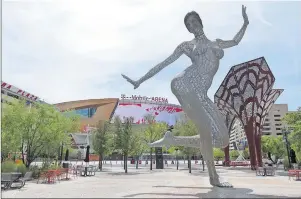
125 139
293 120
153 132
186 128
273 146
36 130
218 154
103 140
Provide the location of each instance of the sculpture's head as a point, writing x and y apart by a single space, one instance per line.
193 22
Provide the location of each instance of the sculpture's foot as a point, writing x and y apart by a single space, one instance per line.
215 182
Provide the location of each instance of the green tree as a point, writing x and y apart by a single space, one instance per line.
124 137
293 120
12 116
138 145
153 132
37 130
102 140
234 154
273 146
246 153
218 154
185 127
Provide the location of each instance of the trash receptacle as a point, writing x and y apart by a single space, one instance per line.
65 165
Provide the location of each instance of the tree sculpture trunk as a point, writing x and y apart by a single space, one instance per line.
249 129
227 155
258 149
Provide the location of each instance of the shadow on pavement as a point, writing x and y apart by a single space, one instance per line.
214 192
125 174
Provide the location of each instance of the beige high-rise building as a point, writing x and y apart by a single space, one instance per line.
272 125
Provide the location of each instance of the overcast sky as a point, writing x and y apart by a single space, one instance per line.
74 50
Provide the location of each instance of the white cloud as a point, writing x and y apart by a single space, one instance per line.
70 50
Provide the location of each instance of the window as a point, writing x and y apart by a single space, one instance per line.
267 120
277 120
2 91
277 124
266 129
86 112
266 133
278 133
276 115
278 128
266 124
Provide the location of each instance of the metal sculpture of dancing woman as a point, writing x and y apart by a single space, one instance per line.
191 86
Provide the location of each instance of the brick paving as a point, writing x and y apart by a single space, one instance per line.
166 183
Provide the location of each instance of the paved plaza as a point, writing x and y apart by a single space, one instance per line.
167 183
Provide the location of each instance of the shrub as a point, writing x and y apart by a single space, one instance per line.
54 166
8 166
285 163
21 168
234 154
36 171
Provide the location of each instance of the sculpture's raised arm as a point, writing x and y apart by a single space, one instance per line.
152 72
237 38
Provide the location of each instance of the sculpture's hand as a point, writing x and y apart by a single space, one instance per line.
244 15
136 84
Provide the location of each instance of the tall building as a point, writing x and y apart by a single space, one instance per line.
237 134
272 126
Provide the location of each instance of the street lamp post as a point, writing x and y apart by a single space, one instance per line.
285 140
177 158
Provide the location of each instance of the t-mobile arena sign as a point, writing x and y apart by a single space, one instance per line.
145 98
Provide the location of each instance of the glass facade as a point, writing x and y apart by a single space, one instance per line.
86 112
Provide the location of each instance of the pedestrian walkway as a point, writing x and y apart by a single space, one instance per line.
167 183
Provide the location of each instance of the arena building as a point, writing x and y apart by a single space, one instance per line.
92 111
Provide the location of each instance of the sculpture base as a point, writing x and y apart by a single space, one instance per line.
225 185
